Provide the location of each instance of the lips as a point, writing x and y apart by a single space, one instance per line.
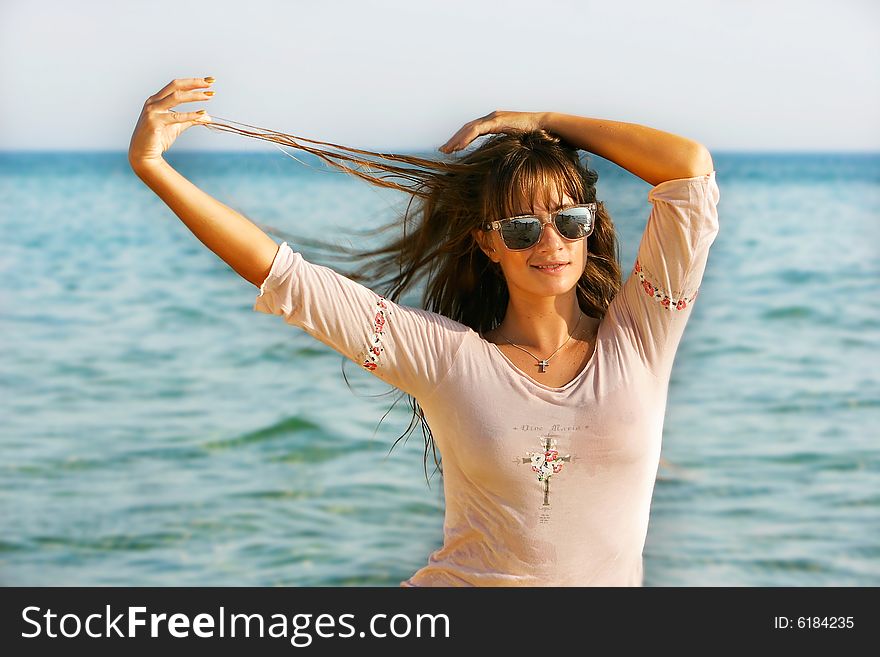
551 267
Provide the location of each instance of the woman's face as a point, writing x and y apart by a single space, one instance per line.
520 267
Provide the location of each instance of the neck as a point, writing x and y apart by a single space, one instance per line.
543 324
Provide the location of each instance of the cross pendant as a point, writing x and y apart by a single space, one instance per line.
543 365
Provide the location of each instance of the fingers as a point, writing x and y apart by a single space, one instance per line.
468 132
457 140
179 96
460 139
199 116
182 84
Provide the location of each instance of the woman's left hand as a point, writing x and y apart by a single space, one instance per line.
497 121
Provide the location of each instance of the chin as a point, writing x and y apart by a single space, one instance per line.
554 288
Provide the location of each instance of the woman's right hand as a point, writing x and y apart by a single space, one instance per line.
158 125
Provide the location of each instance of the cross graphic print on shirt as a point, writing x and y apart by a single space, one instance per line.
545 463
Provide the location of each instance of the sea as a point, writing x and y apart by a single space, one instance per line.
156 431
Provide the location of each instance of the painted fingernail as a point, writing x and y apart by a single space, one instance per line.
209 80
200 112
209 93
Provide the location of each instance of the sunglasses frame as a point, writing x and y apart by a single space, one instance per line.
496 225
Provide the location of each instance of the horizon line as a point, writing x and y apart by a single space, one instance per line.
35 151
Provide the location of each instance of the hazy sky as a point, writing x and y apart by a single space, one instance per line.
404 74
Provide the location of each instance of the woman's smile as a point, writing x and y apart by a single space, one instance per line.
552 269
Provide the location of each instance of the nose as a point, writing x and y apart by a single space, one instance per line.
550 237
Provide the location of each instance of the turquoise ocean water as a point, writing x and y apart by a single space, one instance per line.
157 431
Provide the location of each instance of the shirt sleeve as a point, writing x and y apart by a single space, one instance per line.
409 348
655 302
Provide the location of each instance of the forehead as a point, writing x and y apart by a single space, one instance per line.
533 186
544 198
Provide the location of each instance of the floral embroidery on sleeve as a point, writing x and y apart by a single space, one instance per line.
660 295
375 349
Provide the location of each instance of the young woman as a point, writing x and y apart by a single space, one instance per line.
539 376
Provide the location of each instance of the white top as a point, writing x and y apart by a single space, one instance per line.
543 486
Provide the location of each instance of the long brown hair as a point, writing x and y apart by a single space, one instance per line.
449 198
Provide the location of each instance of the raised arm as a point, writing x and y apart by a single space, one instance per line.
410 348
235 239
652 155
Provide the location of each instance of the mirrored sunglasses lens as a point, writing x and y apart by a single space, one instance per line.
521 233
575 222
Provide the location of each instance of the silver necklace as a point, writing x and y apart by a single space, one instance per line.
544 364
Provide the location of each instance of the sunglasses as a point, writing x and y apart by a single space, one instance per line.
524 231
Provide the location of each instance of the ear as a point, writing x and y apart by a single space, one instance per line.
482 240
